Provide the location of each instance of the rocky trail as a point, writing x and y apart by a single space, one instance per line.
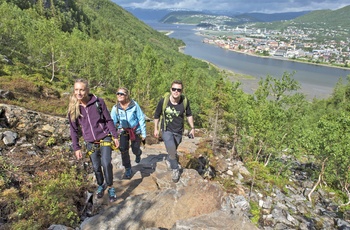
152 157
150 200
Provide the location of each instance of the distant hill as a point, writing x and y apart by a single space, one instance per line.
321 25
148 14
330 18
277 16
338 20
176 15
197 17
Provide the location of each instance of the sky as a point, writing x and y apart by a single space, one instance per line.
242 6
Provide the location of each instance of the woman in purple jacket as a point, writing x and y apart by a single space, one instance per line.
90 114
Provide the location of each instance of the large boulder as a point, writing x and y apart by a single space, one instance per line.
154 201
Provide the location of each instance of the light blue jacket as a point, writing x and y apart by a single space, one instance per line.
129 118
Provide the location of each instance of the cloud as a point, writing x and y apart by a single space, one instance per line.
262 6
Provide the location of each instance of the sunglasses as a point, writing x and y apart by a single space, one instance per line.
176 89
121 94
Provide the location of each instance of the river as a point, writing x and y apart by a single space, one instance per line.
316 80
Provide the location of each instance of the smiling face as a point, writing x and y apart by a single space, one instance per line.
122 95
81 91
176 90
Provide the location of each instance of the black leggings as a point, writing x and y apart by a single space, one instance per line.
124 147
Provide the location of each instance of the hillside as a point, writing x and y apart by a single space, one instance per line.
327 18
328 24
323 24
47 46
287 144
193 17
277 16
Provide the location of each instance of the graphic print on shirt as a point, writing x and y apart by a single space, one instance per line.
170 114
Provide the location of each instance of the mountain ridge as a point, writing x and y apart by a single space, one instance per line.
159 14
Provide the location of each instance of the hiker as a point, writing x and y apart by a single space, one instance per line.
130 122
90 114
173 108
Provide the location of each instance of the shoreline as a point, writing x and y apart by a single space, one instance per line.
273 57
249 83
166 32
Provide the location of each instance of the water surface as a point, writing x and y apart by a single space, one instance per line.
316 80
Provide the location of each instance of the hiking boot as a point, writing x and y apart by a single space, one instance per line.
176 175
128 173
100 190
138 158
111 194
168 165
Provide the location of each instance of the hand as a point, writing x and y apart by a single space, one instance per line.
156 133
192 133
78 154
116 142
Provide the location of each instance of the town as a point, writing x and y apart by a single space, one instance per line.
293 43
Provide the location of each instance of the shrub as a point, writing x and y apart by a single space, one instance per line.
51 199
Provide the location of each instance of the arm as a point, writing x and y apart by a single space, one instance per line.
190 118
157 114
73 127
114 115
156 131
190 122
141 119
109 122
115 119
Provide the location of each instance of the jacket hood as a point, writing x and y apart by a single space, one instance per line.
131 104
92 100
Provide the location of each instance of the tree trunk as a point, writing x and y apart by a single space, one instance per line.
52 65
215 129
318 181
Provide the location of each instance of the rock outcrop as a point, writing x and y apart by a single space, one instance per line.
150 200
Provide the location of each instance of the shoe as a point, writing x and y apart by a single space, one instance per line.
100 190
168 165
138 158
128 173
176 175
111 194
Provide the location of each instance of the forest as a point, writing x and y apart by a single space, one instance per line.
46 44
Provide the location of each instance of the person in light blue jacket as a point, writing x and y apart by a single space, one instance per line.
130 122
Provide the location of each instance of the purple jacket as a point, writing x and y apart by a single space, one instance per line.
93 127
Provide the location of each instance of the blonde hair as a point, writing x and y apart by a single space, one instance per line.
73 107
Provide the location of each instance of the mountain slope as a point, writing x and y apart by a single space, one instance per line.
328 18
50 45
277 16
195 17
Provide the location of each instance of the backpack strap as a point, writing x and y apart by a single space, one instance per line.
165 103
184 102
99 108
